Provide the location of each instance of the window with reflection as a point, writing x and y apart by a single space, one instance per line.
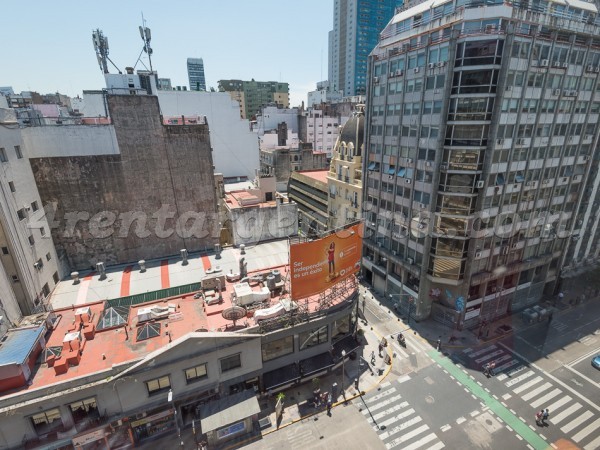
314 337
340 328
277 348
47 421
84 410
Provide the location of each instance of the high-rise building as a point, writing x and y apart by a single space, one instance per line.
195 68
480 171
356 28
253 96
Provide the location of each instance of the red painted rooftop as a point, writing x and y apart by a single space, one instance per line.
319 175
120 345
235 199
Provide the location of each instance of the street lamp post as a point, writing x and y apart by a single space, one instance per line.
343 367
170 399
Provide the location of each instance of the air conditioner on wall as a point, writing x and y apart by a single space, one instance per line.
428 164
431 65
399 73
394 252
441 64
375 80
416 70
556 92
410 261
477 254
499 141
407 181
480 184
544 63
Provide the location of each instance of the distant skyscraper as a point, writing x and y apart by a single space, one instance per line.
195 68
356 28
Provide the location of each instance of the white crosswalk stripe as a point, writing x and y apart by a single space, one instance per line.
527 385
300 437
566 413
576 422
396 422
520 378
586 431
545 399
557 404
534 393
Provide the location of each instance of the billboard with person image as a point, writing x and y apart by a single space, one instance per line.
317 265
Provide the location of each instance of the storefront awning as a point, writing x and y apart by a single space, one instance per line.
315 364
279 377
228 410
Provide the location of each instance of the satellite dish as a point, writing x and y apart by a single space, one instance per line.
234 313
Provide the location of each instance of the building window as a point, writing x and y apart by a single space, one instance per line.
158 385
5 251
48 256
15 278
277 348
84 410
31 240
21 214
39 264
55 277
34 206
231 362
3 157
340 328
43 231
196 373
11 185
47 421
18 151
46 290
311 338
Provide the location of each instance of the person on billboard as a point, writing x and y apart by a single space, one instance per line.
331 261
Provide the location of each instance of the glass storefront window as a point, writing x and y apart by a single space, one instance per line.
47 421
277 348
313 337
340 328
84 409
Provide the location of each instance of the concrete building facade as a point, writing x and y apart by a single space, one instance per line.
344 178
483 121
29 264
138 198
196 78
308 189
254 95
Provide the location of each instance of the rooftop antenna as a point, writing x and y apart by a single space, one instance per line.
101 47
146 36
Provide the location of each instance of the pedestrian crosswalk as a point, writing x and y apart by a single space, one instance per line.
396 422
576 419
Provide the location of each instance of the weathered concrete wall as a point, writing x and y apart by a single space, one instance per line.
152 199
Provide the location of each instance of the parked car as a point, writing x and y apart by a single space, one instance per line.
596 362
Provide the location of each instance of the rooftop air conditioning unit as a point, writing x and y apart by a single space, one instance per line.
431 65
556 92
416 70
480 184
544 63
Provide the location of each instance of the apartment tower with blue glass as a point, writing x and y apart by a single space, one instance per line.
356 28
195 69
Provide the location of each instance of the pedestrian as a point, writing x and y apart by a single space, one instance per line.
380 348
439 344
538 417
545 415
373 357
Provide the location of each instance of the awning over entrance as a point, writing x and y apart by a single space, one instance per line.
233 408
279 377
315 364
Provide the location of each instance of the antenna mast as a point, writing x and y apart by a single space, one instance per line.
101 47
146 37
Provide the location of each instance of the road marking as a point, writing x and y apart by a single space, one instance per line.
380 405
506 396
375 398
502 377
393 419
554 406
582 376
567 412
556 380
536 391
445 427
387 412
404 378
540 401
519 378
481 352
460 420
575 423
407 436
421 442
489 356
437 446
527 385
594 445
475 413
587 430
581 358
500 411
508 428
403 426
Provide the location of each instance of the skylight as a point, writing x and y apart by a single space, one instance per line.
148 331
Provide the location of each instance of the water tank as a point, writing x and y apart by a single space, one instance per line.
277 274
271 282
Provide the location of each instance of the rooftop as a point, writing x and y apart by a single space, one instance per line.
319 175
244 199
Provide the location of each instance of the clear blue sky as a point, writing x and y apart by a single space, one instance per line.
47 46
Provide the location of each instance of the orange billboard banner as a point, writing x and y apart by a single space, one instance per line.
317 265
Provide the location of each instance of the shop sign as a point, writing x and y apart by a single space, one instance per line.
152 418
472 312
231 429
89 437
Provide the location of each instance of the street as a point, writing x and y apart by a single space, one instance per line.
432 399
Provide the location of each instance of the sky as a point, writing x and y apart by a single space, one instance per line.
47 46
